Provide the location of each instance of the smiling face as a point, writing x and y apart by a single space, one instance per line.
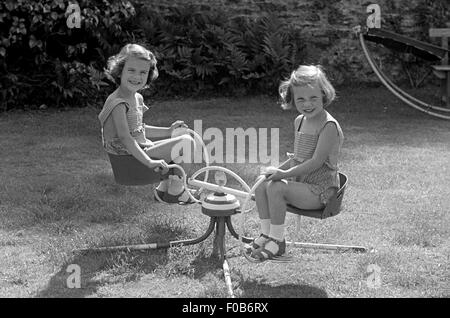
308 100
134 74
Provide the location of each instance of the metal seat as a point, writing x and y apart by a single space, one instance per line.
331 209
128 170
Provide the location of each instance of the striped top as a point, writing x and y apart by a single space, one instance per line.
305 144
134 115
326 176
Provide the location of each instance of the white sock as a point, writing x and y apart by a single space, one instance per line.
265 226
176 186
265 229
277 232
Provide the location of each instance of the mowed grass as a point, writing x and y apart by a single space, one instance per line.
57 194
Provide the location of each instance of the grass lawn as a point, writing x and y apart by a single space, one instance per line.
57 194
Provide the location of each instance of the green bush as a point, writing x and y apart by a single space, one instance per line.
44 61
213 52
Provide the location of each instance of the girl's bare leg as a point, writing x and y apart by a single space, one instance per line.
279 194
164 149
262 202
262 205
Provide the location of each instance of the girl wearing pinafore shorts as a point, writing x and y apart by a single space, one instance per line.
309 178
123 129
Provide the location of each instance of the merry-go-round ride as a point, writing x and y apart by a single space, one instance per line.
219 205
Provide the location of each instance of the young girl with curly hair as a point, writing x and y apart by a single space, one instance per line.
310 177
123 129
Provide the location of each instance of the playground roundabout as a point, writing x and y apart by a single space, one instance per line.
218 202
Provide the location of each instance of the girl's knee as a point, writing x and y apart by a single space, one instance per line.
277 188
187 140
188 137
184 149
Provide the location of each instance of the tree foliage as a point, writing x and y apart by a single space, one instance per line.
212 51
44 59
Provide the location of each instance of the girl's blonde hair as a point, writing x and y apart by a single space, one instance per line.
117 62
302 76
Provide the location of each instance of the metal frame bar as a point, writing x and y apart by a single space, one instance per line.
219 223
402 95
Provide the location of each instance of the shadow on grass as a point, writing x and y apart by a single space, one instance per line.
254 289
245 288
101 268
98 269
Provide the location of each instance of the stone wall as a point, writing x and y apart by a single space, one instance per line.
326 26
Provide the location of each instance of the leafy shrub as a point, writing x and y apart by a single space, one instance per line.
43 61
405 69
211 51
